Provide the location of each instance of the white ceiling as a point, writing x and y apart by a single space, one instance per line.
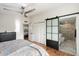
40 7
46 7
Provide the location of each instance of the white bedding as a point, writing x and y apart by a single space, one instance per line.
21 48
30 51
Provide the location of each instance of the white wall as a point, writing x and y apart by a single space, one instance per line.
12 22
6 23
77 37
38 32
19 27
50 12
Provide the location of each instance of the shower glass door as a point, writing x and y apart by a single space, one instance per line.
67 34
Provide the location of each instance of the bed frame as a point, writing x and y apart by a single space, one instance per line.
7 36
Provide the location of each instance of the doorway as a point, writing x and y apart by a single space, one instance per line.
26 28
67 35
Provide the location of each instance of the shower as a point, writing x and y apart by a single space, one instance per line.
67 35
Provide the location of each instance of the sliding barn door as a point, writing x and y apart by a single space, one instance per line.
52 33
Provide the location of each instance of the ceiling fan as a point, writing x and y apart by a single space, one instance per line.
22 12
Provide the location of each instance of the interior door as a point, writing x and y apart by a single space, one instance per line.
52 33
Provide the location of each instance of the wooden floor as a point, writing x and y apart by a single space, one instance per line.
51 51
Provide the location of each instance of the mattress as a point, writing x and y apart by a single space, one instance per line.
21 48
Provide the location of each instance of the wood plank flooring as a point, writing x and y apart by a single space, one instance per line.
51 51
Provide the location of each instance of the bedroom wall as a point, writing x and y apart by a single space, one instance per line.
48 13
12 22
77 37
6 23
37 32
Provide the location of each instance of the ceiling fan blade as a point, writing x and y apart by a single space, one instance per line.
11 10
25 13
29 11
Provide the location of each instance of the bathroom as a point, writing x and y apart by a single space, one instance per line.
67 35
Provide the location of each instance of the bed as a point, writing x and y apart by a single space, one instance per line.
21 47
